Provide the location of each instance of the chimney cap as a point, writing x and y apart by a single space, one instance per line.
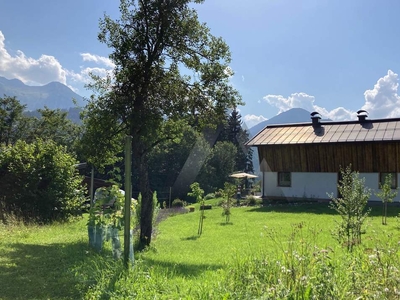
363 112
314 113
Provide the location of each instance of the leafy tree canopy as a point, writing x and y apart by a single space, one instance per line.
169 71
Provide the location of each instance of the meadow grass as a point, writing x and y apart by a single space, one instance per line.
228 261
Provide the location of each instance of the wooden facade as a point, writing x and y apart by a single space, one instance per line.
365 157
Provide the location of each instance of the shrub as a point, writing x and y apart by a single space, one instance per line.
178 203
209 196
218 194
253 201
39 181
351 206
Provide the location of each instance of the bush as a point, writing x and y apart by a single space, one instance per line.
39 181
209 196
178 203
253 201
218 194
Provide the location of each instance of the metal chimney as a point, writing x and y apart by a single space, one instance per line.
315 117
362 115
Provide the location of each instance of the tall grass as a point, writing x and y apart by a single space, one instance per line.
291 256
276 252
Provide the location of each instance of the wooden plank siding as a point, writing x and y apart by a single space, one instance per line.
329 157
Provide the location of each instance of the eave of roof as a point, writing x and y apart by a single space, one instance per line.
328 132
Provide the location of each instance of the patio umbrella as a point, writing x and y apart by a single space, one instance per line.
243 175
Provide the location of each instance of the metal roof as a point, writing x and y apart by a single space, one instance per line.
329 132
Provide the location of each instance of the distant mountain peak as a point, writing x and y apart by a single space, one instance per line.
53 95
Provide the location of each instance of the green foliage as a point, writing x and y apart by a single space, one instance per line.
108 209
209 196
101 141
55 125
149 97
219 165
39 181
252 201
351 207
198 194
386 195
228 193
235 134
11 120
156 207
178 203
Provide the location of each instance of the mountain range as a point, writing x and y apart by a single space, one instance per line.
53 95
57 95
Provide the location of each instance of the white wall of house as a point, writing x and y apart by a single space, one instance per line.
304 185
310 185
372 181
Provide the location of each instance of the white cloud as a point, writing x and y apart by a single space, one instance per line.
29 70
47 68
383 101
251 120
84 74
294 100
305 101
101 60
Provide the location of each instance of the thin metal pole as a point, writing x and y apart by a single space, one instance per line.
91 187
128 197
170 192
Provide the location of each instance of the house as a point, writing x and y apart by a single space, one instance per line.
303 161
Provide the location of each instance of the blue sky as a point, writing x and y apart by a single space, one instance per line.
333 56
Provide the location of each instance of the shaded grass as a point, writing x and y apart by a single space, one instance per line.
36 262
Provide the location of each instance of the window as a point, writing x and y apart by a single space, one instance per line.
284 179
382 177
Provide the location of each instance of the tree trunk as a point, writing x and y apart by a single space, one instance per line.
146 214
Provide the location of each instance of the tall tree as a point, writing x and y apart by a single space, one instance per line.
235 133
155 44
10 116
219 165
54 124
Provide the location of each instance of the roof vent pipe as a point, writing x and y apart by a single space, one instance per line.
315 117
362 115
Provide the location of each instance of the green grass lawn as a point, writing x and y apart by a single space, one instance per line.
55 262
250 229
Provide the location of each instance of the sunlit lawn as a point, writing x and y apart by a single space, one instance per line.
41 262
250 229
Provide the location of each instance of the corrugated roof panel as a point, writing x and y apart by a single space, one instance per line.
270 133
318 134
396 133
286 134
373 130
362 133
346 132
391 127
305 137
329 130
305 131
354 133
279 131
370 136
337 132
380 132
